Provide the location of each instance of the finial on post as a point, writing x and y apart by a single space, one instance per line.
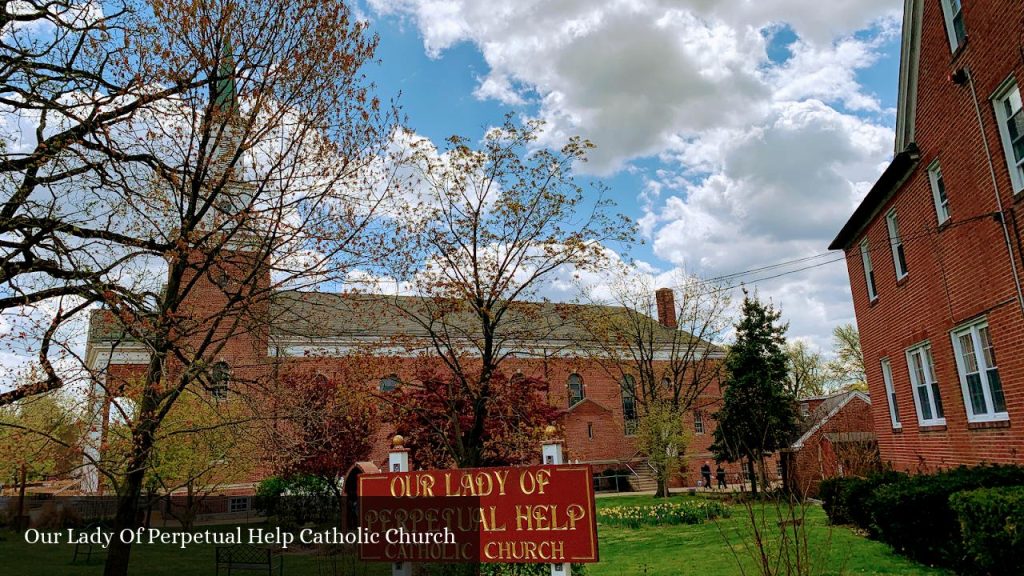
398 441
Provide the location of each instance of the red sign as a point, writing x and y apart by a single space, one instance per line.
530 514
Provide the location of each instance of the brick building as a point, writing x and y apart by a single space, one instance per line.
934 250
836 439
318 332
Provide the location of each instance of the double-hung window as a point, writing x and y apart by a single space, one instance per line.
698 422
979 373
899 255
1011 129
869 271
955 29
939 192
890 394
926 389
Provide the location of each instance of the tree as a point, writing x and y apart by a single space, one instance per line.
808 375
517 413
185 215
487 228
758 414
848 366
661 437
203 444
40 437
325 425
668 363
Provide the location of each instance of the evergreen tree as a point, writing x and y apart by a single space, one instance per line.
758 414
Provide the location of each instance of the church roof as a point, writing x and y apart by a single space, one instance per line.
325 316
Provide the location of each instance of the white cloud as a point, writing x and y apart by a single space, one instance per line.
761 160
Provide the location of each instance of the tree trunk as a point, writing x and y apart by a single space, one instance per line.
127 508
662 486
749 466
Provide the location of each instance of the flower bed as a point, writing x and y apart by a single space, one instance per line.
667 513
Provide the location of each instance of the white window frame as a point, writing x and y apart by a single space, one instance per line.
890 394
892 223
698 422
869 270
974 330
1009 91
948 14
923 352
934 177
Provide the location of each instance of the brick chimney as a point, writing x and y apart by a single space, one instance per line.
666 307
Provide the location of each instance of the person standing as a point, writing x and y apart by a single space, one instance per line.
720 475
705 473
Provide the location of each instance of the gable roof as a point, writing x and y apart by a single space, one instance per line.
311 316
826 411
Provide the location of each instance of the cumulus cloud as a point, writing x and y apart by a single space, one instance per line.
762 158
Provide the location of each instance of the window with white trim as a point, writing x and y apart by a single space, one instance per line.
954 14
869 271
899 254
890 394
1011 129
927 399
979 373
698 422
939 192
238 504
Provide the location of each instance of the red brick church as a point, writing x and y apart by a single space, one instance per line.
318 332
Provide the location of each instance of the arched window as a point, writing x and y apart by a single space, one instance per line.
629 404
389 383
220 378
576 393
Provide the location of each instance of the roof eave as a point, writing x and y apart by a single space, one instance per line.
888 183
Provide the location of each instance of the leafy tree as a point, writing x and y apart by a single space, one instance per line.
40 435
848 366
326 424
487 228
212 147
203 444
758 414
808 375
661 437
432 411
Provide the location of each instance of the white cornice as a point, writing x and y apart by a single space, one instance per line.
910 50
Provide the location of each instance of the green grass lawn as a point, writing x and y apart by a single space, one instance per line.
715 548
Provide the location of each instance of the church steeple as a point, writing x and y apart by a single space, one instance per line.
227 132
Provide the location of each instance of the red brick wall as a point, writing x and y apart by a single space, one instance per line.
960 271
820 458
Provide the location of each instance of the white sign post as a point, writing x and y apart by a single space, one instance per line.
552 453
398 461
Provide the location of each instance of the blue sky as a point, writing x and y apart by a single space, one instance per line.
738 135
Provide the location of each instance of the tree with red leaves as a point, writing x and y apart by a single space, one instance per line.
325 427
429 412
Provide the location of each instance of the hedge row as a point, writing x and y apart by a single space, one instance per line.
992 527
915 515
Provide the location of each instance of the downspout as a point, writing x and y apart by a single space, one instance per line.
995 188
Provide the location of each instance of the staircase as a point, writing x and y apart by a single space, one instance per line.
643 479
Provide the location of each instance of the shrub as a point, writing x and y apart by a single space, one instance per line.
668 513
992 526
845 500
914 515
